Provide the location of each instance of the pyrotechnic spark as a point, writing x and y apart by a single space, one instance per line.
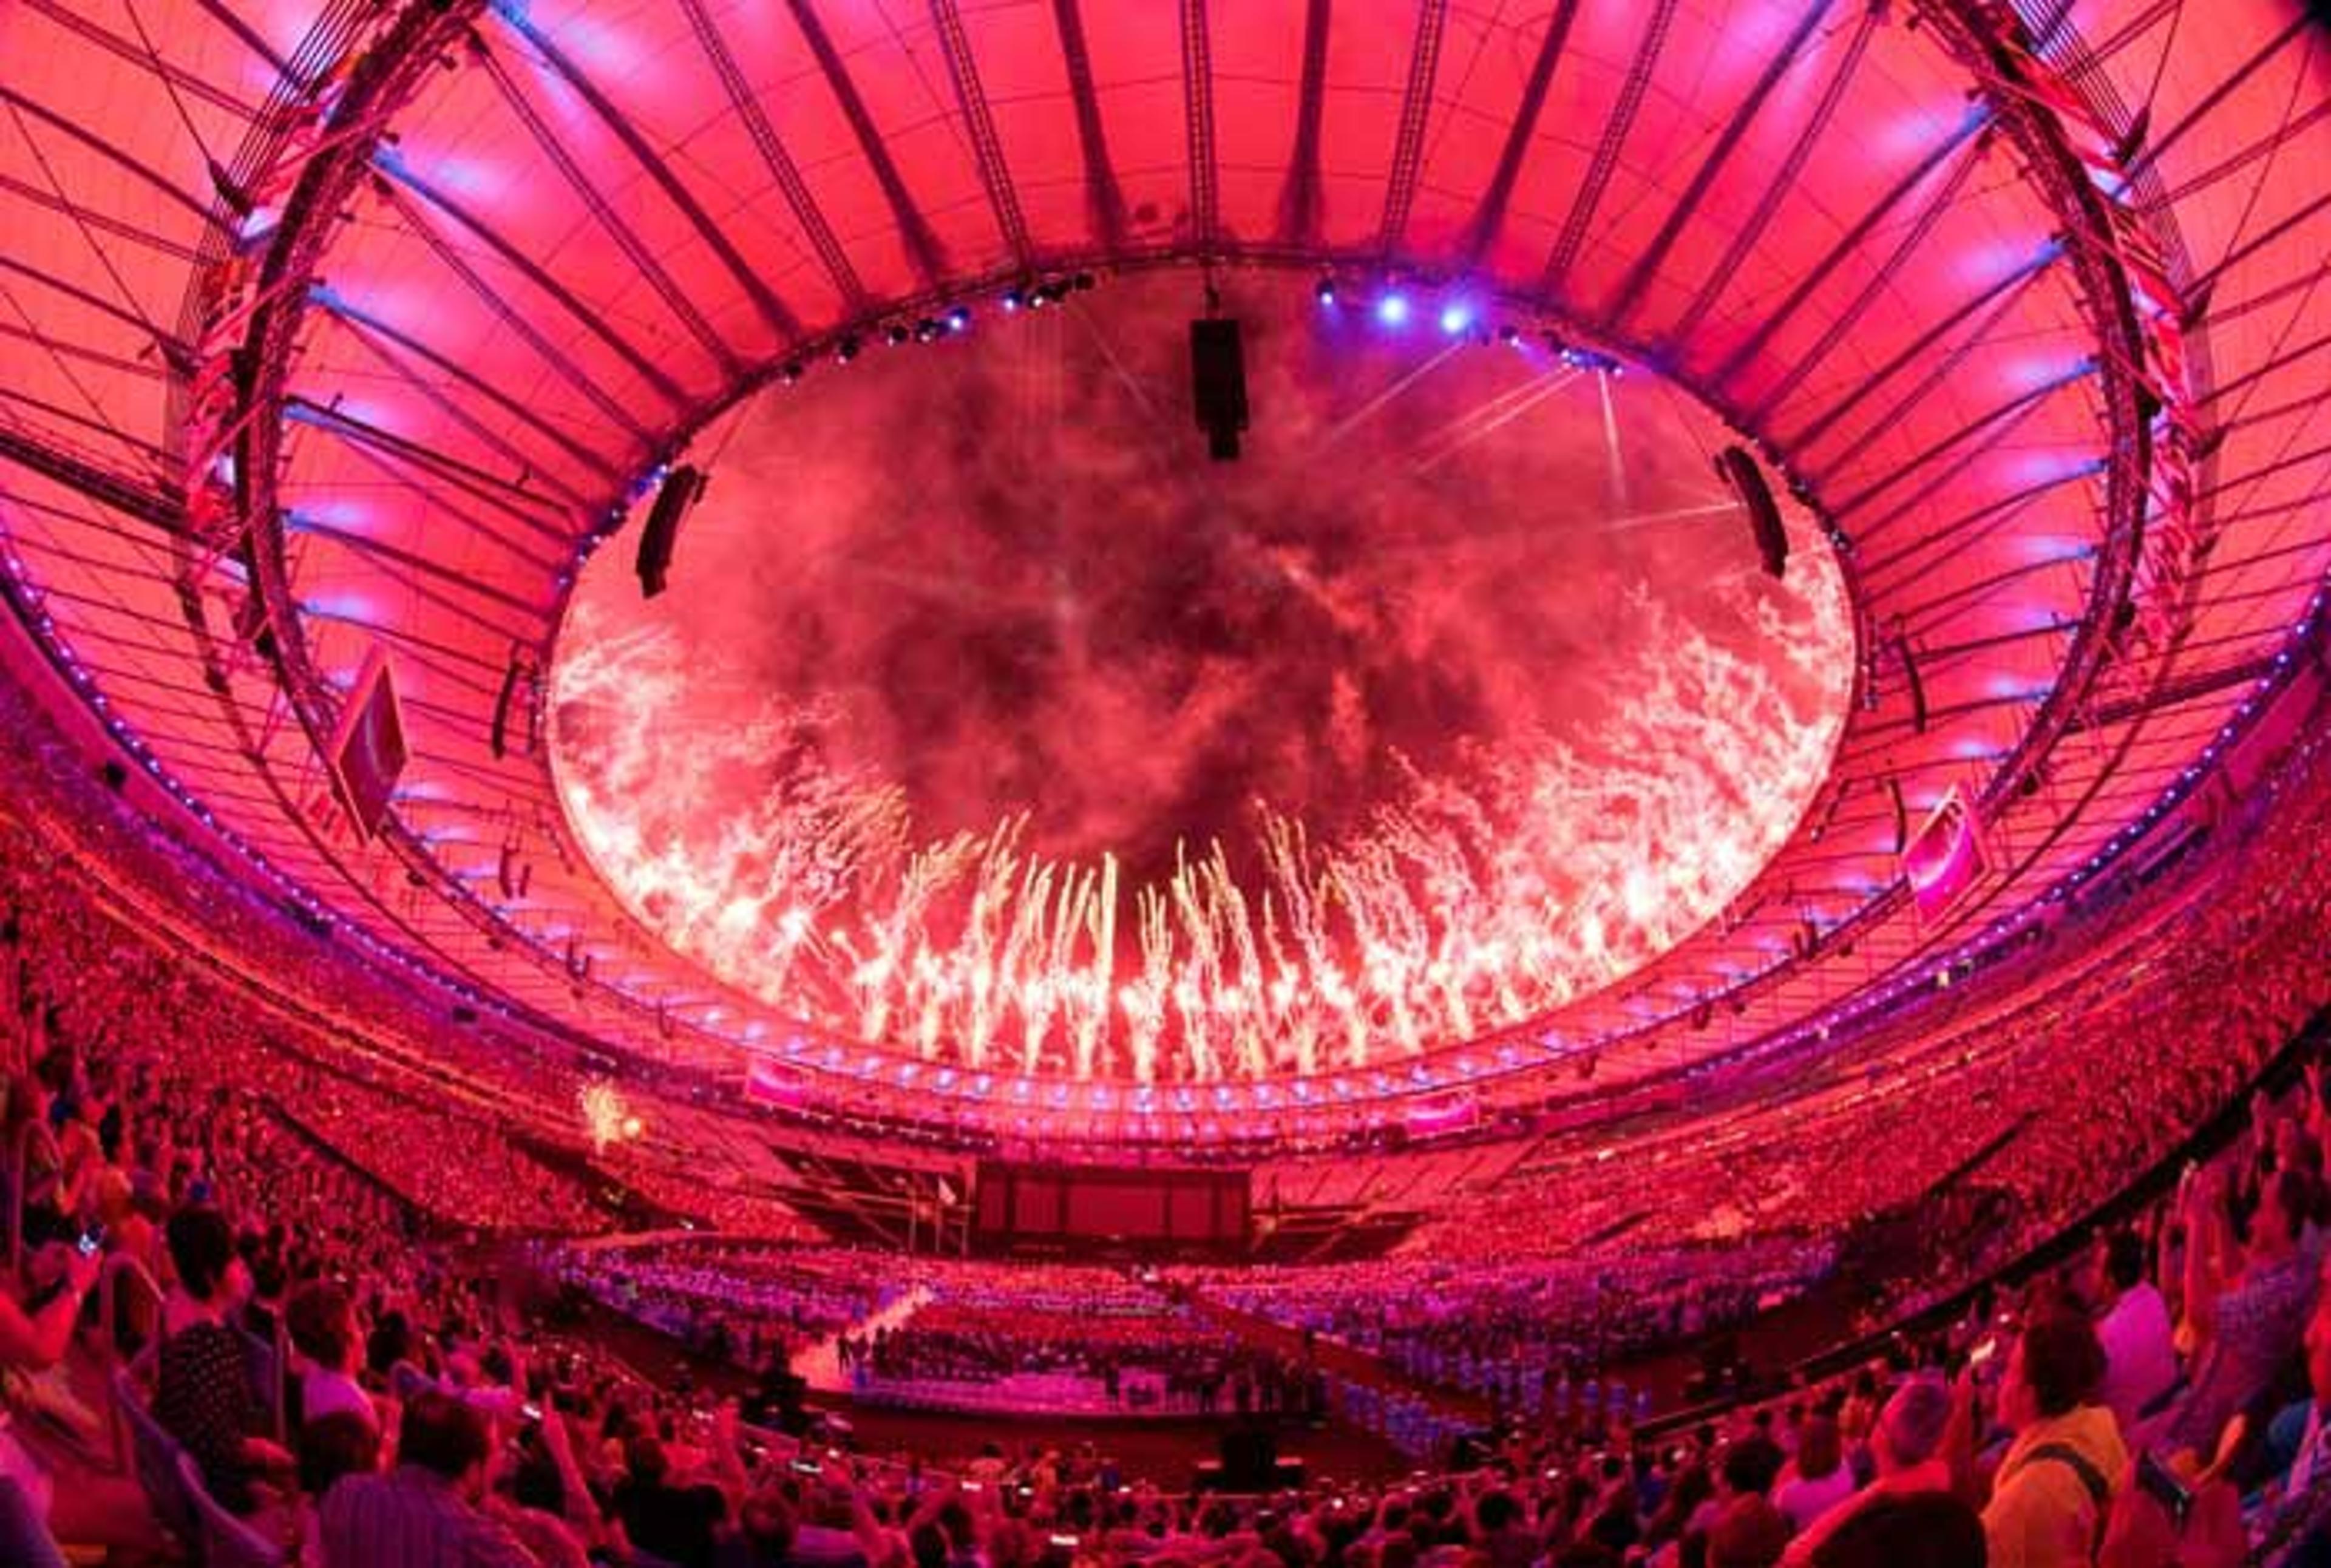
1541 868
606 1116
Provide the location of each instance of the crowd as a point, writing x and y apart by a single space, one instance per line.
334 1344
1163 1360
750 1305
1529 1334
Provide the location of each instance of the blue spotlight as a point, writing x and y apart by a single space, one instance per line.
1325 290
1393 310
1455 317
959 318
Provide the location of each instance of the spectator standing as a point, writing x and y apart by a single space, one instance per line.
2140 1356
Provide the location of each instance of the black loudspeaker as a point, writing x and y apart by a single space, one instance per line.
682 489
499 737
1218 385
1738 468
1910 679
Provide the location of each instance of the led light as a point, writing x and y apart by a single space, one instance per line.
1393 310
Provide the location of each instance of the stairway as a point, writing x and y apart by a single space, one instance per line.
820 1365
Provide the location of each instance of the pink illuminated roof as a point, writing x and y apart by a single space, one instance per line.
330 327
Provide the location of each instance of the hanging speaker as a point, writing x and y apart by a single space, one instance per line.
1737 468
1912 683
1218 385
681 489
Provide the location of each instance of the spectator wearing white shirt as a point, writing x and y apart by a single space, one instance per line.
2140 1354
322 1323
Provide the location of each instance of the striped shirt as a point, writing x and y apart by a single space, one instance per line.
412 1518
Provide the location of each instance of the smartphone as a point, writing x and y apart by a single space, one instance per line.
1984 1350
1067 1543
807 1468
530 1410
2156 1481
91 1240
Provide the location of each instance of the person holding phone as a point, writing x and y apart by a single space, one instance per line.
36 1333
36 1330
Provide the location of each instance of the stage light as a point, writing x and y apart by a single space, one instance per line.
1393 310
1014 298
959 318
846 350
1456 316
896 335
1325 291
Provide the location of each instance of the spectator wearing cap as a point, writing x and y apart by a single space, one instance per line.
2052 1491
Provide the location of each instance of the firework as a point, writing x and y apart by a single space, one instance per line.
1543 869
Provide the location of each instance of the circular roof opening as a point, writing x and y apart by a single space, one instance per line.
987 718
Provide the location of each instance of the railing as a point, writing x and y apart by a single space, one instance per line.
124 1273
124 1281
19 1162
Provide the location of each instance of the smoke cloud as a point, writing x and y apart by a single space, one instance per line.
987 717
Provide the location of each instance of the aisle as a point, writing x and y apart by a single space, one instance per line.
820 1365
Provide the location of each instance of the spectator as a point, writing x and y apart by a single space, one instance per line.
202 1393
1925 1529
322 1324
2140 1357
1816 1480
2297 1528
425 1513
1907 1449
2053 1492
676 1522
34 1334
2247 1305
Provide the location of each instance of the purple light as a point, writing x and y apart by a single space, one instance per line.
1393 310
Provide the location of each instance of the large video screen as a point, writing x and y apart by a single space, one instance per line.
1037 1203
367 753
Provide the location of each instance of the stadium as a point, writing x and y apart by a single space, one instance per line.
1059 782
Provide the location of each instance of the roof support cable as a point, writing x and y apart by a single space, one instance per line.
1621 124
1415 114
1783 181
